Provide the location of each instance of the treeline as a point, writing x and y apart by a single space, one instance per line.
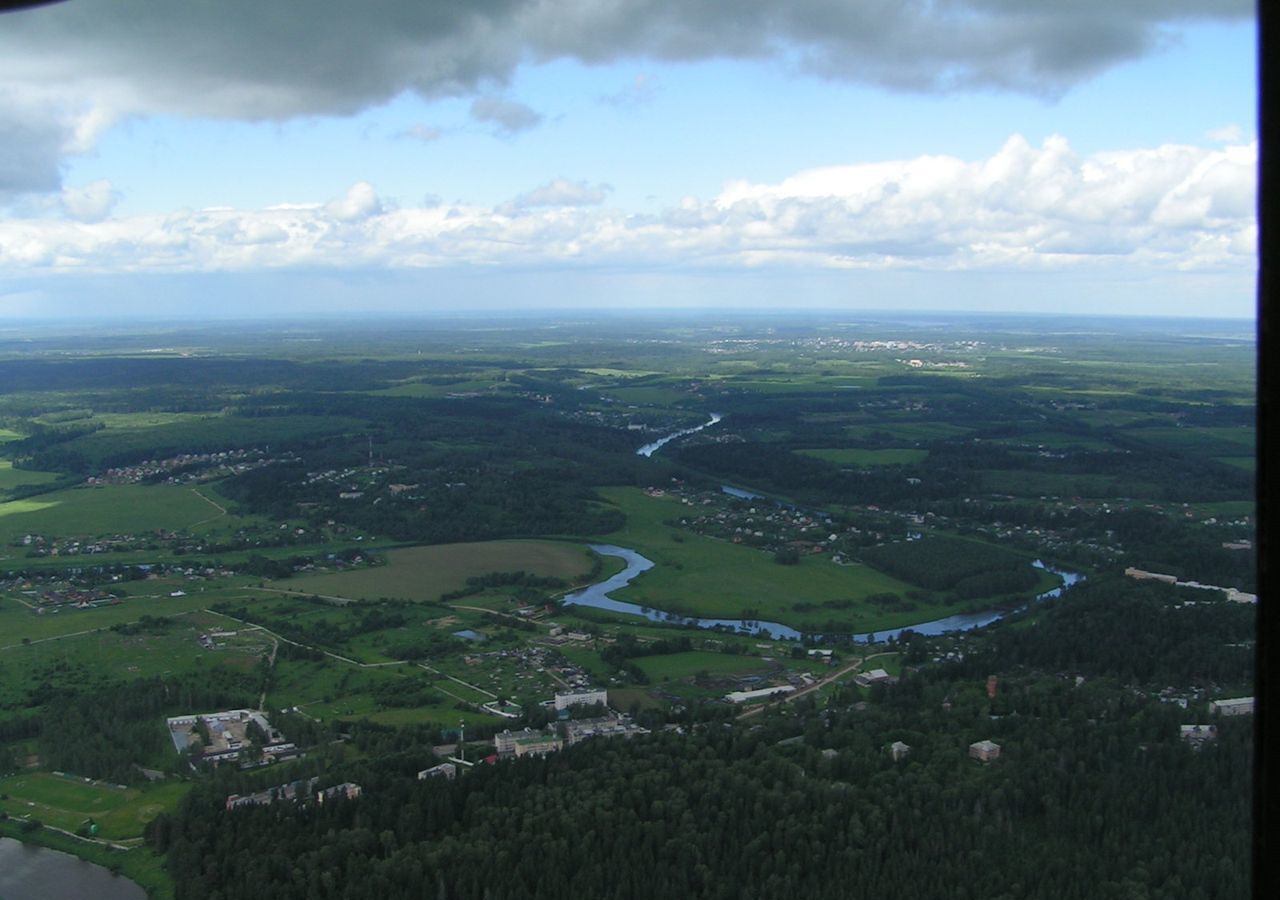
1143 632
971 569
1072 809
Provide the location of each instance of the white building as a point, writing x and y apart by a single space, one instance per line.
758 694
582 698
1238 706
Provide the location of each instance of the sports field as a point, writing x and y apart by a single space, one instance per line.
66 802
424 573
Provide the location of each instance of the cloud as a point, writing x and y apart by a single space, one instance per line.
507 116
1227 134
561 192
360 202
69 69
1024 208
424 133
642 89
92 202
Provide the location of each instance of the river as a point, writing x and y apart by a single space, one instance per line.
28 872
650 449
597 595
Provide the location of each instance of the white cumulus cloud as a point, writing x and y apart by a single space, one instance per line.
1025 207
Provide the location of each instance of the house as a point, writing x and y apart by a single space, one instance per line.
899 750
984 751
1238 706
875 676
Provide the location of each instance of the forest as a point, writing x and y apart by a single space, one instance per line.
1093 794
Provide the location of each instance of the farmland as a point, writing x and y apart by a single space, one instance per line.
424 573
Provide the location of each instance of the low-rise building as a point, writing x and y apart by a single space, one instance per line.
898 750
582 698
758 694
605 726
538 745
447 771
875 676
504 742
1237 706
984 751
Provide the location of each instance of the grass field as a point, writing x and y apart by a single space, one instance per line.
856 456
112 655
706 577
66 802
11 477
1205 441
688 664
109 509
424 573
18 621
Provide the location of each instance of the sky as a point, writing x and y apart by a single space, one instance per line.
230 158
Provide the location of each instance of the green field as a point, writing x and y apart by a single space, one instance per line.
19 622
856 456
66 802
112 655
11 477
424 573
690 663
707 577
108 509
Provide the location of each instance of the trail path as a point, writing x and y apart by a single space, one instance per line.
222 510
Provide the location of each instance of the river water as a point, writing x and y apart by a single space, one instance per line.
597 595
650 449
28 872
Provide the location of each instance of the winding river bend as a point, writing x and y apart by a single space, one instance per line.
597 595
650 449
28 872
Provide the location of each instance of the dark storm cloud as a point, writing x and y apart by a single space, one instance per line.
249 59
